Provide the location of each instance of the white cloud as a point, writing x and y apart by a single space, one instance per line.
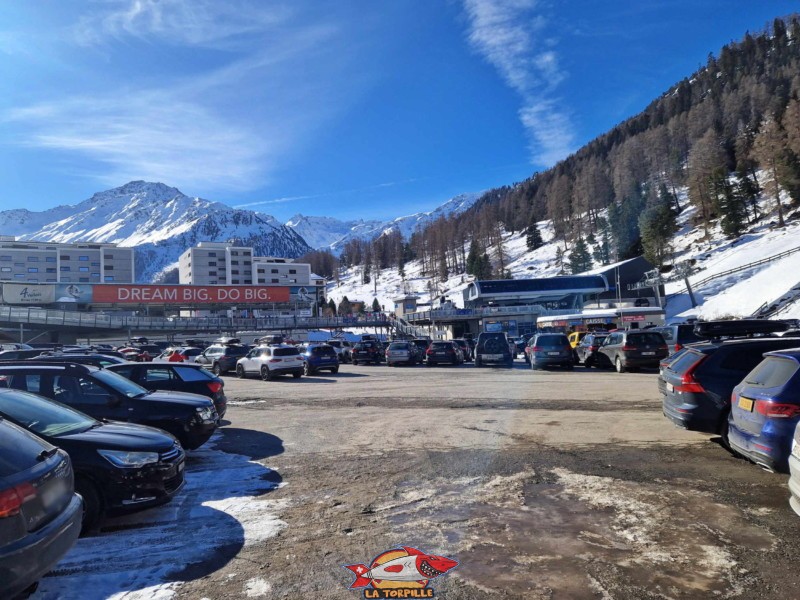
507 34
186 22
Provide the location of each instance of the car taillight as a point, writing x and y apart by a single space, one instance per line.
678 346
627 348
688 382
214 386
12 499
777 411
536 348
594 348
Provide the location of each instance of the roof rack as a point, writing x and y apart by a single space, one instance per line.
738 328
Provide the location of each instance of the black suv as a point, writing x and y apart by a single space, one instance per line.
106 395
40 514
677 336
493 349
368 352
697 386
119 467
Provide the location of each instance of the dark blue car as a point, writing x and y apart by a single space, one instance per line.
765 408
319 357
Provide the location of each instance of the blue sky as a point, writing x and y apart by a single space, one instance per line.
346 109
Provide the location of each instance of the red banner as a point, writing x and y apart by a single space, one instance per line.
188 294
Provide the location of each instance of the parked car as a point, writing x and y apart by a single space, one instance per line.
176 377
421 344
575 338
318 357
632 350
180 354
550 350
492 349
20 354
270 361
119 467
221 358
103 394
367 352
34 534
403 353
588 348
343 349
699 382
794 470
466 349
97 360
677 336
274 339
440 352
765 410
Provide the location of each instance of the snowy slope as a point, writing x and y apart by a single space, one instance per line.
322 232
158 220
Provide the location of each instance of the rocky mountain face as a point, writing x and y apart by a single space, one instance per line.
159 221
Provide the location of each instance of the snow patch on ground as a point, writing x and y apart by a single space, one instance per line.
221 509
257 588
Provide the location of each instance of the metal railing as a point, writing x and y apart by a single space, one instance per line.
752 265
10 315
444 314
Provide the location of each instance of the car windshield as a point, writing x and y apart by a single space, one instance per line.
398 346
41 416
552 341
285 352
645 339
119 383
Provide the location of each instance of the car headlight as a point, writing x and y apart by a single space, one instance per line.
205 413
129 460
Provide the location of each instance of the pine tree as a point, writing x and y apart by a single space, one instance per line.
473 258
376 306
534 238
579 259
560 260
747 189
443 271
602 252
768 149
344 307
332 307
657 224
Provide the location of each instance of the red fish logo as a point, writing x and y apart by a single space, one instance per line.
405 567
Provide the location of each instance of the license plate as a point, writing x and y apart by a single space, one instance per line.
670 387
395 354
746 404
648 353
492 356
553 353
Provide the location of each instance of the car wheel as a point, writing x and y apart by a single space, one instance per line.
619 366
307 369
92 504
335 370
216 369
723 431
588 363
297 375
355 363
240 371
266 374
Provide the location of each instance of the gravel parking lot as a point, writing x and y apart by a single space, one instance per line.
541 484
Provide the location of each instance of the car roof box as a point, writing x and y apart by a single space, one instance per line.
738 328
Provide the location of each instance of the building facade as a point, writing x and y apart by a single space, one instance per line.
48 262
217 263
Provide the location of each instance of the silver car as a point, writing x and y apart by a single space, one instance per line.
403 353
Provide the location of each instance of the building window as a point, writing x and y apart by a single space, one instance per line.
212 254
292 271
247 263
274 271
83 258
234 253
83 280
95 264
274 281
33 269
20 265
234 272
5 269
63 269
33 259
83 269
19 276
65 257
212 264
97 275
234 262
49 259
51 269
108 267
5 257
108 278
248 282
108 256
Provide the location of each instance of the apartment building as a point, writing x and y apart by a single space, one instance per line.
217 263
48 262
